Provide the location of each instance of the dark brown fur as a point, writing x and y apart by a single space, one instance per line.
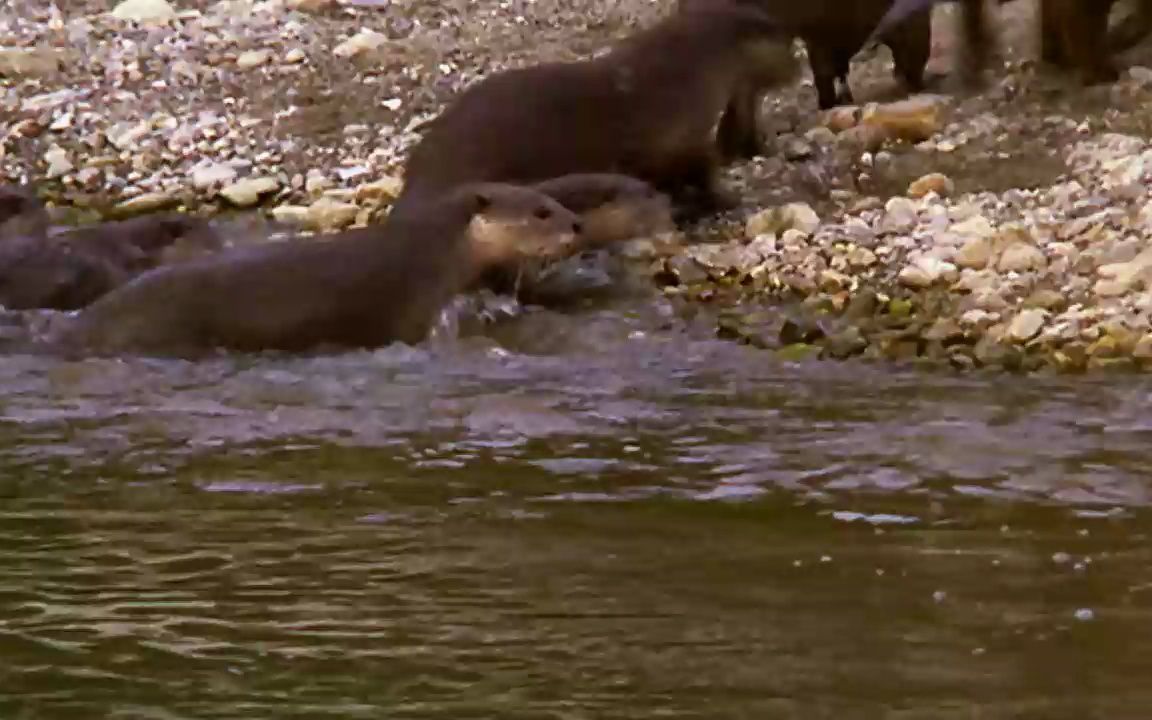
1074 35
1132 27
361 288
833 31
648 109
612 208
71 270
22 214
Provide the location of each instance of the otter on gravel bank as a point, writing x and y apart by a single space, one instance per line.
648 108
833 32
1074 34
361 288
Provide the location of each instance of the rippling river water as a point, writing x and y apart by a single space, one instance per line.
597 521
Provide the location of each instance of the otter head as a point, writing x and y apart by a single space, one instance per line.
510 223
21 213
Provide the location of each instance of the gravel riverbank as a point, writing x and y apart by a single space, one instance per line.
1011 233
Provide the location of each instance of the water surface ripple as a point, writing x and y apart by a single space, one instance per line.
634 525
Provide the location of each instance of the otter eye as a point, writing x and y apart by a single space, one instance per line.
543 213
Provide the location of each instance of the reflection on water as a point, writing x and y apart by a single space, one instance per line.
597 520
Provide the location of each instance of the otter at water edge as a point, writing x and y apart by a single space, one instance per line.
71 269
362 288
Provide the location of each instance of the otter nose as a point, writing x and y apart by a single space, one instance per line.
577 226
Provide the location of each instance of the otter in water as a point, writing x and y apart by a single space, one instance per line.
366 287
648 108
71 270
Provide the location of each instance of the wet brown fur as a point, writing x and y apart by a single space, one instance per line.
613 209
361 288
648 109
71 270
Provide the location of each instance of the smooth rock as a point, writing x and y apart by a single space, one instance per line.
205 176
1027 324
1143 348
900 215
793 216
1021 257
975 253
362 42
144 11
291 214
1140 74
839 119
309 5
253 58
973 226
384 189
860 257
329 214
148 202
938 183
796 149
58 162
249 191
913 120
29 62
926 271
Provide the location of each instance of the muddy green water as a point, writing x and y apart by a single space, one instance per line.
599 521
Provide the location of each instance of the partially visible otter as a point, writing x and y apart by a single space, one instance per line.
648 108
70 270
22 214
834 31
612 208
1132 28
1074 34
361 288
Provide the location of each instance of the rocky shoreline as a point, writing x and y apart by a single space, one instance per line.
1003 231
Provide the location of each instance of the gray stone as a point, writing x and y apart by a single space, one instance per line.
900 215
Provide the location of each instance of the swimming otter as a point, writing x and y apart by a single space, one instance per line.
71 270
360 288
647 108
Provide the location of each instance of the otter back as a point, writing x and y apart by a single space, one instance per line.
72 269
648 108
361 288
